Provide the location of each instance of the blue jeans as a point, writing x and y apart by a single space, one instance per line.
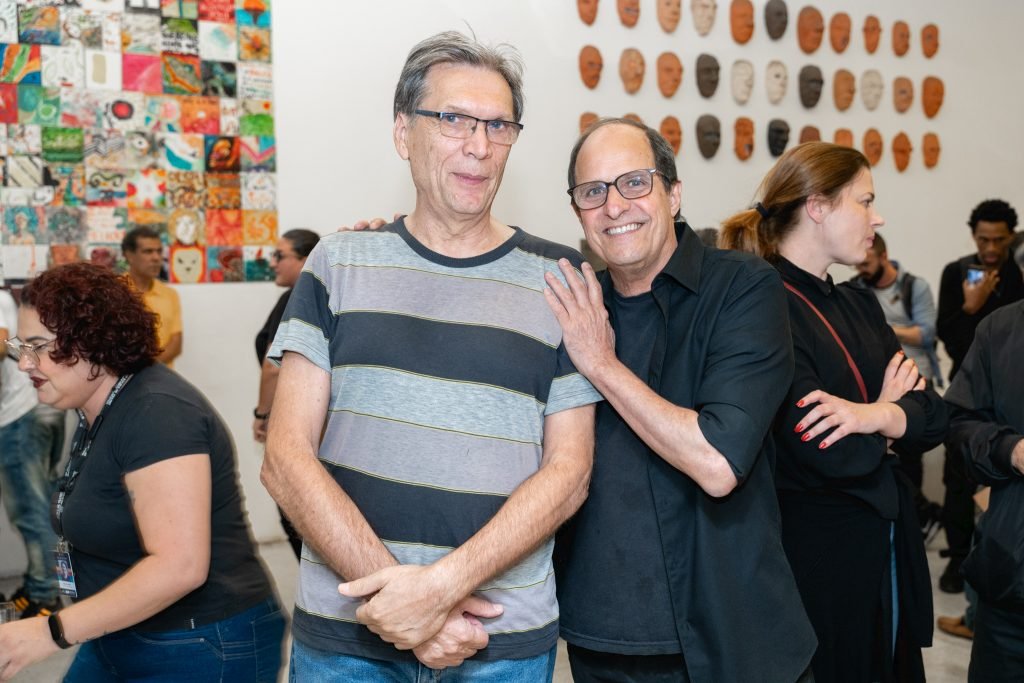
245 648
309 664
26 482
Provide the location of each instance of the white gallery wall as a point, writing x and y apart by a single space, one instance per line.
335 68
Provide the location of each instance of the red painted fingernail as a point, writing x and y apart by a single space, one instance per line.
798 429
805 437
823 445
799 404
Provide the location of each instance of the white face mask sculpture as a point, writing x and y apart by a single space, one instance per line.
742 80
703 15
871 88
776 79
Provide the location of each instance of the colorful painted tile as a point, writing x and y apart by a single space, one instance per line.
186 227
257 264
79 26
66 224
25 226
230 116
255 81
182 152
200 115
103 5
104 148
259 191
142 73
63 145
253 44
9 22
80 108
26 196
182 74
142 149
186 190
225 264
183 9
20 64
222 154
253 13
258 153
63 254
63 66
224 227
123 111
106 224
218 42
140 34
188 264
24 139
37 104
24 262
223 191
106 187
179 36
24 171
259 227
105 255
217 10
154 219
102 70
147 189
219 79
143 6
40 25
8 103
163 113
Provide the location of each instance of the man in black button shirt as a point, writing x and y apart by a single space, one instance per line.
673 570
963 304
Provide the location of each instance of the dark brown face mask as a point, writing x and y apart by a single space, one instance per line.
778 136
707 75
810 134
776 18
811 83
709 135
741 20
810 29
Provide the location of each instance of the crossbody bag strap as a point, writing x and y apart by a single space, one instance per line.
835 335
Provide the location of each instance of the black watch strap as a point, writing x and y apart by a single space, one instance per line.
260 416
57 631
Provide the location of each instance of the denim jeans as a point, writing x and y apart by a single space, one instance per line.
245 648
26 482
310 664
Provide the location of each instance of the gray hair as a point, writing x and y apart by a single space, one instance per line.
452 47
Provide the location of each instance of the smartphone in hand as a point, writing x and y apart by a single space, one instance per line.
975 275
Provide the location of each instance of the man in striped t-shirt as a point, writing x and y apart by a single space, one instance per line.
458 435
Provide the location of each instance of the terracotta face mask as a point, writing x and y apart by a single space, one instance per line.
811 83
587 10
900 38
872 33
872 146
844 87
901 149
707 75
839 31
703 15
742 80
631 69
741 20
776 78
930 40
810 134
871 87
633 117
932 94
902 93
778 136
931 148
629 12
670 73
672 133
586 119
844 137
709 135
744 145
591 64
776 18
668 14
810 28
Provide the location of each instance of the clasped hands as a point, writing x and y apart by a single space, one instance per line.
415 608
847 417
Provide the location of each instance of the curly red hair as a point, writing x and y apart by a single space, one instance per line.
95 316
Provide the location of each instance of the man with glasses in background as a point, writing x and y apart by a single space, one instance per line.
143 249
26 471
458 434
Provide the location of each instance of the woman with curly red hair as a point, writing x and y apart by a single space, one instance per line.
154 544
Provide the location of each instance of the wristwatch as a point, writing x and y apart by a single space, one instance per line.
57 632
260 416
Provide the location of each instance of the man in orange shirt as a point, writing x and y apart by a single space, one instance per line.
143 250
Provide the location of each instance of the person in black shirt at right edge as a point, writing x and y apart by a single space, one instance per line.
970 289
848 522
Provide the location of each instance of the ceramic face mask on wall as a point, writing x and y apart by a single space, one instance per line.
778 136
811 83
871 87
744 141
810 28
872 33
709 135
776 78
631 69
741 20
670 73
591 64
810 134
931 149
671 131
587 10
668 14
629 12
902 93
742 79
901 149
872 146
900 38
776 18
930 40
587 118
932 94
703 15
707 75
839 31
844 87
844 137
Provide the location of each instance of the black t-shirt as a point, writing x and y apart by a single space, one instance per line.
159 416
265 337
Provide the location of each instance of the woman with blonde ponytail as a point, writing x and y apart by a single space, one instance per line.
848 521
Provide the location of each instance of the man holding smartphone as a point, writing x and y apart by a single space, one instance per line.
971 288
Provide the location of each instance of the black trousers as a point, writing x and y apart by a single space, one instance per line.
997 653
957 505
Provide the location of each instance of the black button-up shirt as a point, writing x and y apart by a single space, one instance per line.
721 347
